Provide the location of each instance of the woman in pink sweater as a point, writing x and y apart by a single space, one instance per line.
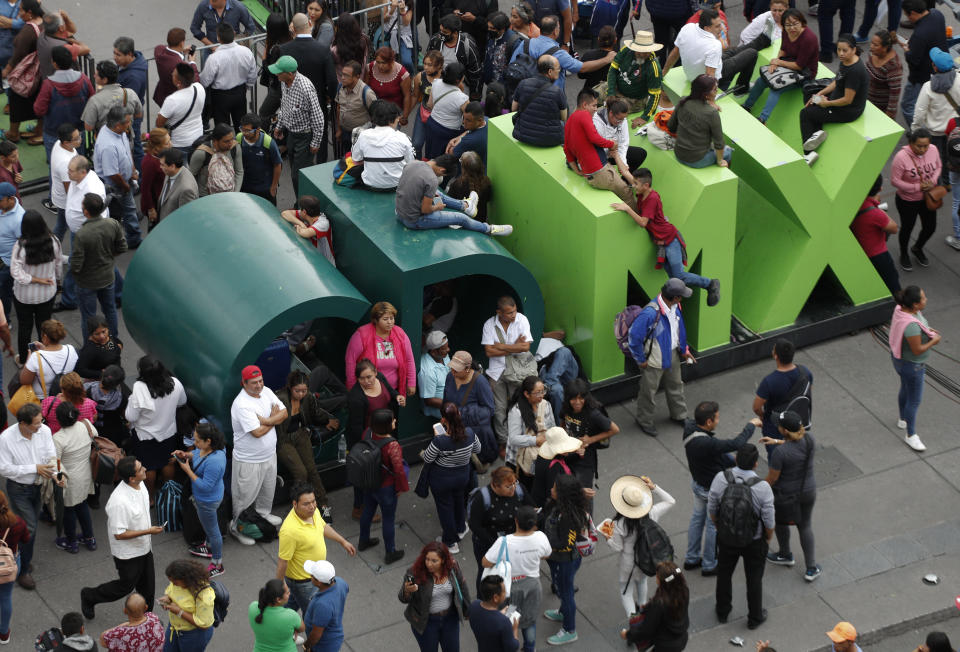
387 346
915 170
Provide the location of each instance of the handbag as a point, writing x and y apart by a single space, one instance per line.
933 197
104 457
518 365
503 567
461 601
787 506
780 78
26 394
25 76
527 457
587 540
423 482
814 86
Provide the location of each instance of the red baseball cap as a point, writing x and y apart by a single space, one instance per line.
250 371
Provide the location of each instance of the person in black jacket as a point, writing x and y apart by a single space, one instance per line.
707 456
435 626
452 37
316 64
492 511
665 620
99 351
540 106
929 31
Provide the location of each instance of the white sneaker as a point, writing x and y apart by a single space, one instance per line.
470 204
953 241
275 521
901 424
454 549
500 229
466 530
815 140
811 158
242 538
913 441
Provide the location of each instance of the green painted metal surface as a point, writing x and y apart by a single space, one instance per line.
768 227
216 282
389 262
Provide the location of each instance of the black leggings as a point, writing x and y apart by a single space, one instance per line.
28 316
909 211
813 117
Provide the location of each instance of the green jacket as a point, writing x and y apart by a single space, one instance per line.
97 242
636 80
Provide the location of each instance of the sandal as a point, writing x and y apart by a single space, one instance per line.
35 140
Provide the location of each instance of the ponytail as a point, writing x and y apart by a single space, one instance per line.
270 593
908 296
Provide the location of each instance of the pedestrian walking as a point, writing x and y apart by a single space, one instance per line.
273 624
437 599
188 599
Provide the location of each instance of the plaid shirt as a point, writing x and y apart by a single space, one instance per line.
300 110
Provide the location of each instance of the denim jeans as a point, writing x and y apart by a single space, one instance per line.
563 573
137 145
955 185
449 487
26 502
419 133
674 267
60 229
129 218
207 513
386 497
300 594
443 219
6 603
192 640
443 632
908 100
772 97
529 635
79 512
710 158
911 390
49 140
406 58
562 370
88 299
698 519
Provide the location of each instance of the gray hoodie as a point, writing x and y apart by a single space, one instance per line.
79 642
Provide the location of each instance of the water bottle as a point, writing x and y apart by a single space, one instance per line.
342 449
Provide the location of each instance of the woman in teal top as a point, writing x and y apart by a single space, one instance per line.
910 333
273 624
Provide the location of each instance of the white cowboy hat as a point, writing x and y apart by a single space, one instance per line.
631 496
558 443
642 42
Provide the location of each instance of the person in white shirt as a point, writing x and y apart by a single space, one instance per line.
60 156
631 497
129 532
506 333
152 413
525 548
83 179
27 456
254 414
766 27
182 111
701 51
55 358
611 124
383 150
227 73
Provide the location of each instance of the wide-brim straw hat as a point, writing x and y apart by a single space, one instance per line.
631 496
558 443
642 42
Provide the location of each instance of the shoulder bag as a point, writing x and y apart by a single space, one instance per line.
518 365
26 394
781 78
503 568
186 115
25 76
787 506
104 457
934 196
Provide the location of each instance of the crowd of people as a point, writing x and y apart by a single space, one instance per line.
331 89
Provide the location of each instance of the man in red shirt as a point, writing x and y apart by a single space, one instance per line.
871 227
167 57
586 150
672 250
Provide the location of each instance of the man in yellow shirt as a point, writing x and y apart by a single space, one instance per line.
302 538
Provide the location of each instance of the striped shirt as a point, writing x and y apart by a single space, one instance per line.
24 289
300 109
444 452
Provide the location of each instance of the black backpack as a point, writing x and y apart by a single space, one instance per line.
268 532
52 639
365 463
736 519
651 547
221 603
799 399
953 151
523 67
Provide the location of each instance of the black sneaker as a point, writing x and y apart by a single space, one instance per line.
200 551
394 556
905 263
49 206
741 89
364 545
713 292
753 624
826 57
921 257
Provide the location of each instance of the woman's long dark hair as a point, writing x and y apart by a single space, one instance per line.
527 415
325 17
297 378
8 518
349 39
35 239
419 568
192 573
278 30
570 501
699 88
573 389
455 427
270 593
939 642
155 376
209 432
672 591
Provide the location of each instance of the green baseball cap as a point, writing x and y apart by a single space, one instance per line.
286 63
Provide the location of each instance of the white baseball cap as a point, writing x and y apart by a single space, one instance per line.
322 570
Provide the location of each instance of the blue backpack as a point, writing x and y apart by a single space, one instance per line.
169 506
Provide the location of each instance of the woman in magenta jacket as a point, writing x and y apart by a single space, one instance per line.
387 346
